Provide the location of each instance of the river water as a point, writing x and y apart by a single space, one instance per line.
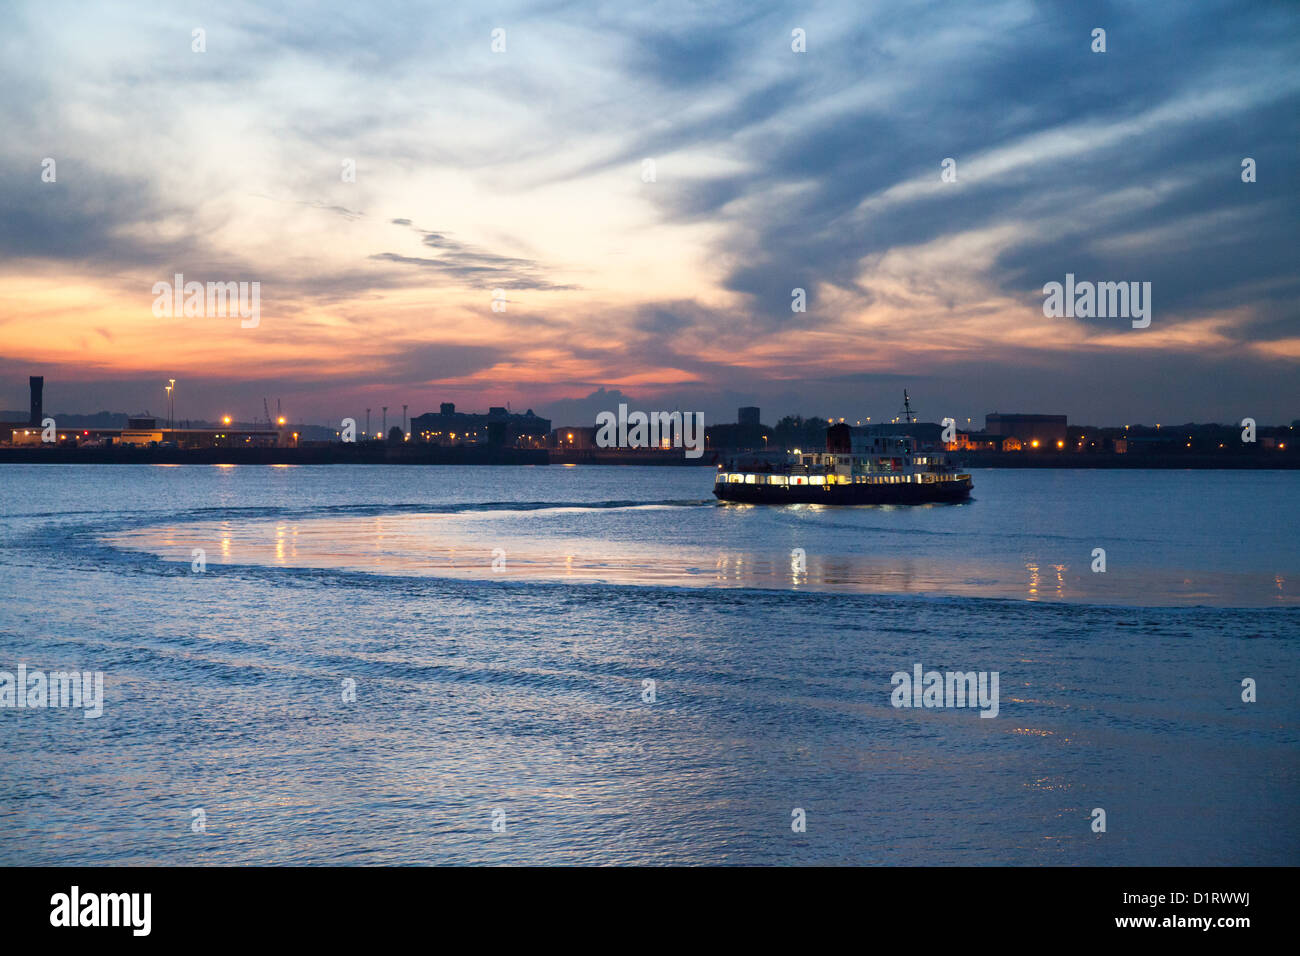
611 667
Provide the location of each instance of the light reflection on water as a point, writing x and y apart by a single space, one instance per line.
669 546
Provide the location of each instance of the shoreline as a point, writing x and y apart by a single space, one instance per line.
376 453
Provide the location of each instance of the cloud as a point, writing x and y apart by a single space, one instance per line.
776 170
583 411
467 264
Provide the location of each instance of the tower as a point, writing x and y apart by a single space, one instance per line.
37 383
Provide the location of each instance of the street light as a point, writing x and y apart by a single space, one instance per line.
171 407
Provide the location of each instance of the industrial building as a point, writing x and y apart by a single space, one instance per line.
573 438
983 441
147 431
748 433
1033 431
141 430
499 426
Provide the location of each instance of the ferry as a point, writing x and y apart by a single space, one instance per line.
855 469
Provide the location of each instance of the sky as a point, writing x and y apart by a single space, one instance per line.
640 188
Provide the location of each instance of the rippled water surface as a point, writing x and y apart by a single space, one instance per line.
500 625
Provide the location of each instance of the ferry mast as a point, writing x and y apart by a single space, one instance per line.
908 417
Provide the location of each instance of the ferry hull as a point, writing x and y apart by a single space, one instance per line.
855 494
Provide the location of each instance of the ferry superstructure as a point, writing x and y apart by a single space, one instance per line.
855 469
